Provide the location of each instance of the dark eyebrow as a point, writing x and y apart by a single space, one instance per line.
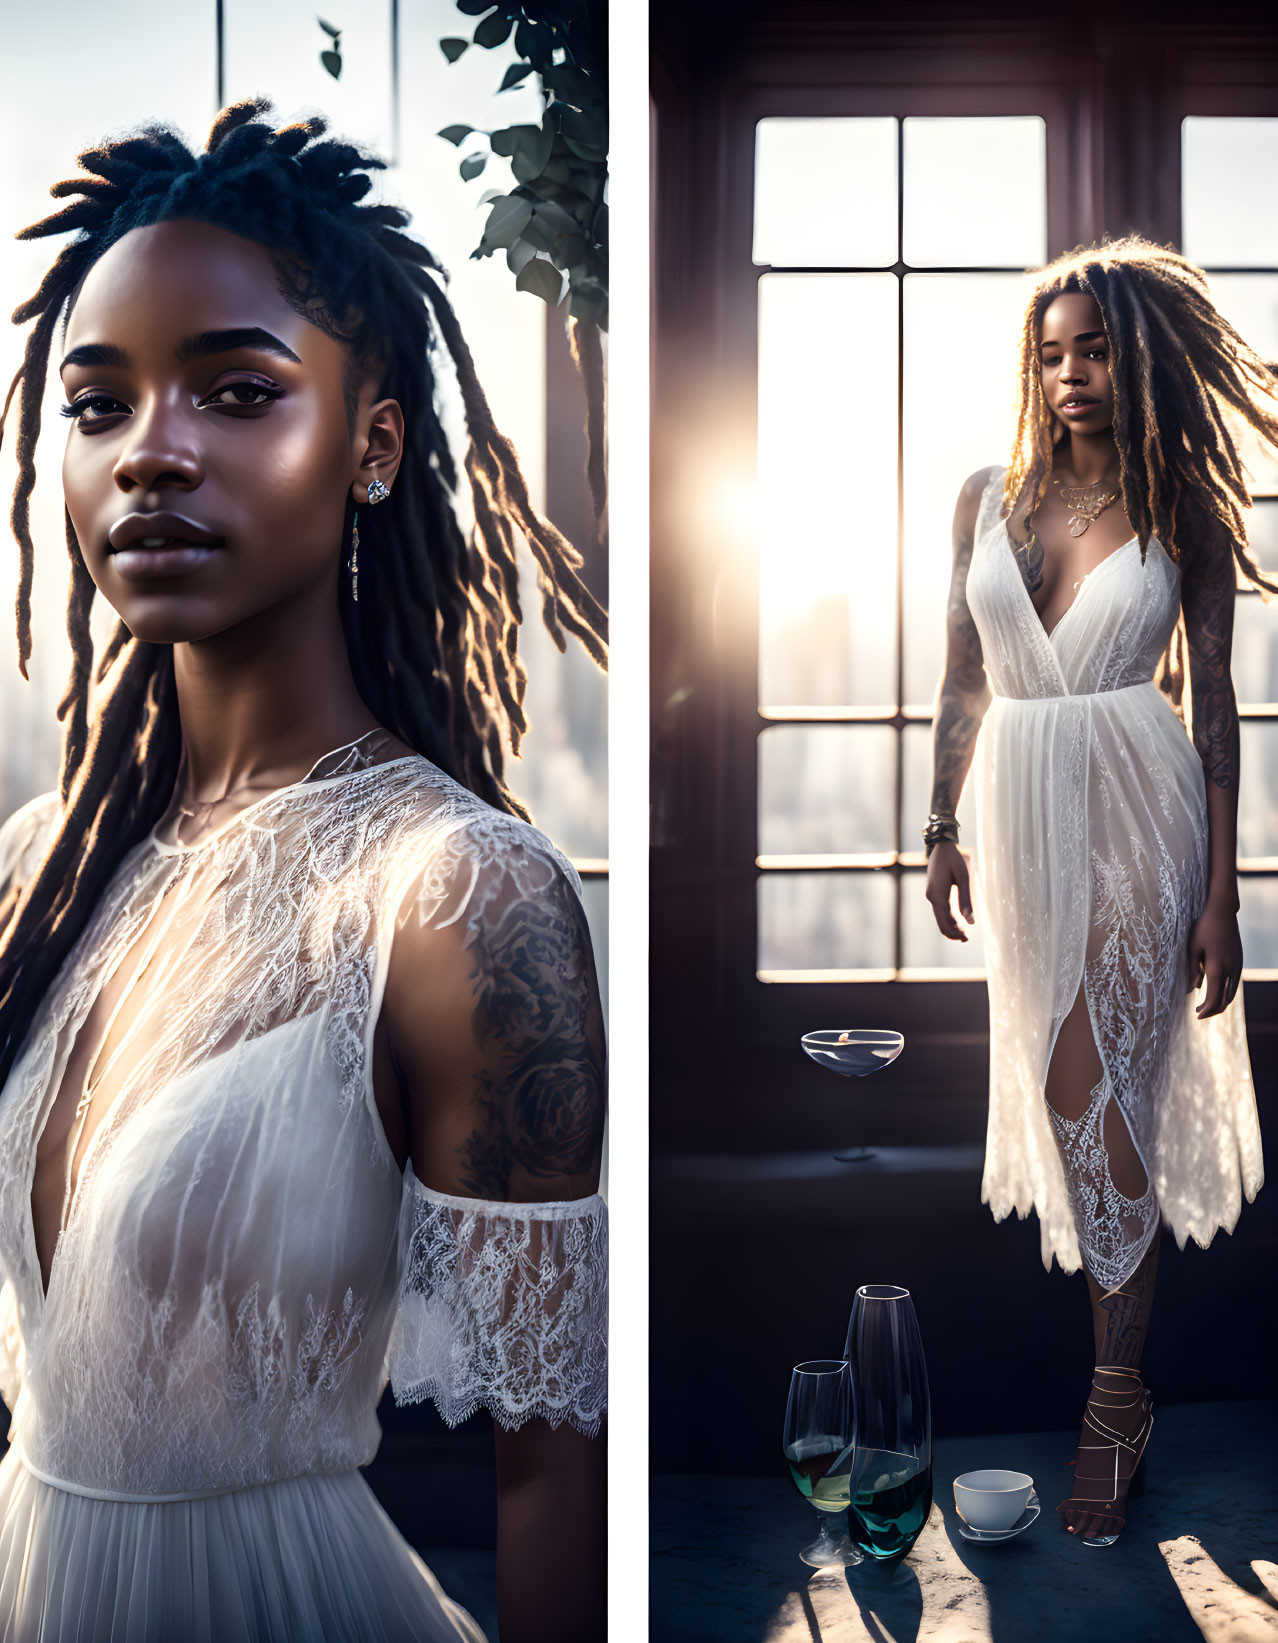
196 347
1083 336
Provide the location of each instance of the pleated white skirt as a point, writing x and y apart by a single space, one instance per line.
313 1557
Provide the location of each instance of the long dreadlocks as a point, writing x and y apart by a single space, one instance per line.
1181 373
433 638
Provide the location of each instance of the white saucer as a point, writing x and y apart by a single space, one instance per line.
989 1537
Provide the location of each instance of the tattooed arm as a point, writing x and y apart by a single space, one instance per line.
1207 600
495 1033
963 698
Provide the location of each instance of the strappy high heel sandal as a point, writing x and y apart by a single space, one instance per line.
1113 1442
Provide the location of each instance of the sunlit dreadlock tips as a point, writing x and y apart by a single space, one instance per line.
377 492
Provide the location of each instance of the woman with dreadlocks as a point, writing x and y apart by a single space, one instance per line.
1106 838
301 1050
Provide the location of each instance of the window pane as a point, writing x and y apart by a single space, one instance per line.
827 489
825 789
1258 790
1262 536
1250 303
1258 922
276 49
916 792
799 218
923 947
1229 191
976 192
1255 653
825 921
961 337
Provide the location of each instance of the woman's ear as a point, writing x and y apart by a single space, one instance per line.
381 442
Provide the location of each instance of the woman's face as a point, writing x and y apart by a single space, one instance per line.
201 394
1074 359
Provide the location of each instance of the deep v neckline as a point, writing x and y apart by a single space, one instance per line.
1050 633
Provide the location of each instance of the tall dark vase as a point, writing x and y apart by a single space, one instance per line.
891 1483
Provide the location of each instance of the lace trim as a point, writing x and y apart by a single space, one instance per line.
503 1307
1112 1228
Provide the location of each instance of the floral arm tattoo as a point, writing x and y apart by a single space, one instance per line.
1207 599
539 1025
965 693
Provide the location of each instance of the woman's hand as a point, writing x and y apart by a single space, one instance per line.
1215 953
946 869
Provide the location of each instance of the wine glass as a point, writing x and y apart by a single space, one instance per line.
817 1444
890 1488
853 1052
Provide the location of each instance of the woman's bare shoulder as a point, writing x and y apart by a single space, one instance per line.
25 834
975 485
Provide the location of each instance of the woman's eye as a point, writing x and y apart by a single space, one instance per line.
78 407
267 394
258 394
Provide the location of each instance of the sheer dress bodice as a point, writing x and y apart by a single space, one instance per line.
1111 637
1091 867
243 1264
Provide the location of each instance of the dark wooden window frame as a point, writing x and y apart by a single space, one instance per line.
1113 118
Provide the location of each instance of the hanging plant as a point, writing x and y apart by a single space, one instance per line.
553 224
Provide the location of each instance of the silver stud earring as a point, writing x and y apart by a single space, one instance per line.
377 492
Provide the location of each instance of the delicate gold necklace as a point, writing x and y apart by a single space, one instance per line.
1086 503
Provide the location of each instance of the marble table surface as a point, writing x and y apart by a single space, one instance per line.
1195 1562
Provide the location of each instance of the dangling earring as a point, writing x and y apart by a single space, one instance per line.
377 492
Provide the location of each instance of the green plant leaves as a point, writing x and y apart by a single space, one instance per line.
535 42
589 301
544 281
493 31
506 221
333 34
553 222
518 254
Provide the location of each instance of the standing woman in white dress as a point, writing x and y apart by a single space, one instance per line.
301 1049
1106 838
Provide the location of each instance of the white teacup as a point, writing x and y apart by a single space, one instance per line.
992 1500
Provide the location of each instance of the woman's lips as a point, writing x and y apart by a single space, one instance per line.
138 564
1081 407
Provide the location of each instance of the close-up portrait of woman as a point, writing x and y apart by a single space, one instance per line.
302 1042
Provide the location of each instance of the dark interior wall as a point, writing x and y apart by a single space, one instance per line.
758 1239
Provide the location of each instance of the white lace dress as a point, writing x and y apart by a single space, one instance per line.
1091 867
242 1265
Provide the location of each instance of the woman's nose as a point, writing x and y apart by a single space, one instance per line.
158 449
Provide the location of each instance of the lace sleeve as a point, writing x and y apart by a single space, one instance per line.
494 1012
503 1306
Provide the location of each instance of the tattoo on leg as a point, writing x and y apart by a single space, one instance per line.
539 1022
1121 1318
